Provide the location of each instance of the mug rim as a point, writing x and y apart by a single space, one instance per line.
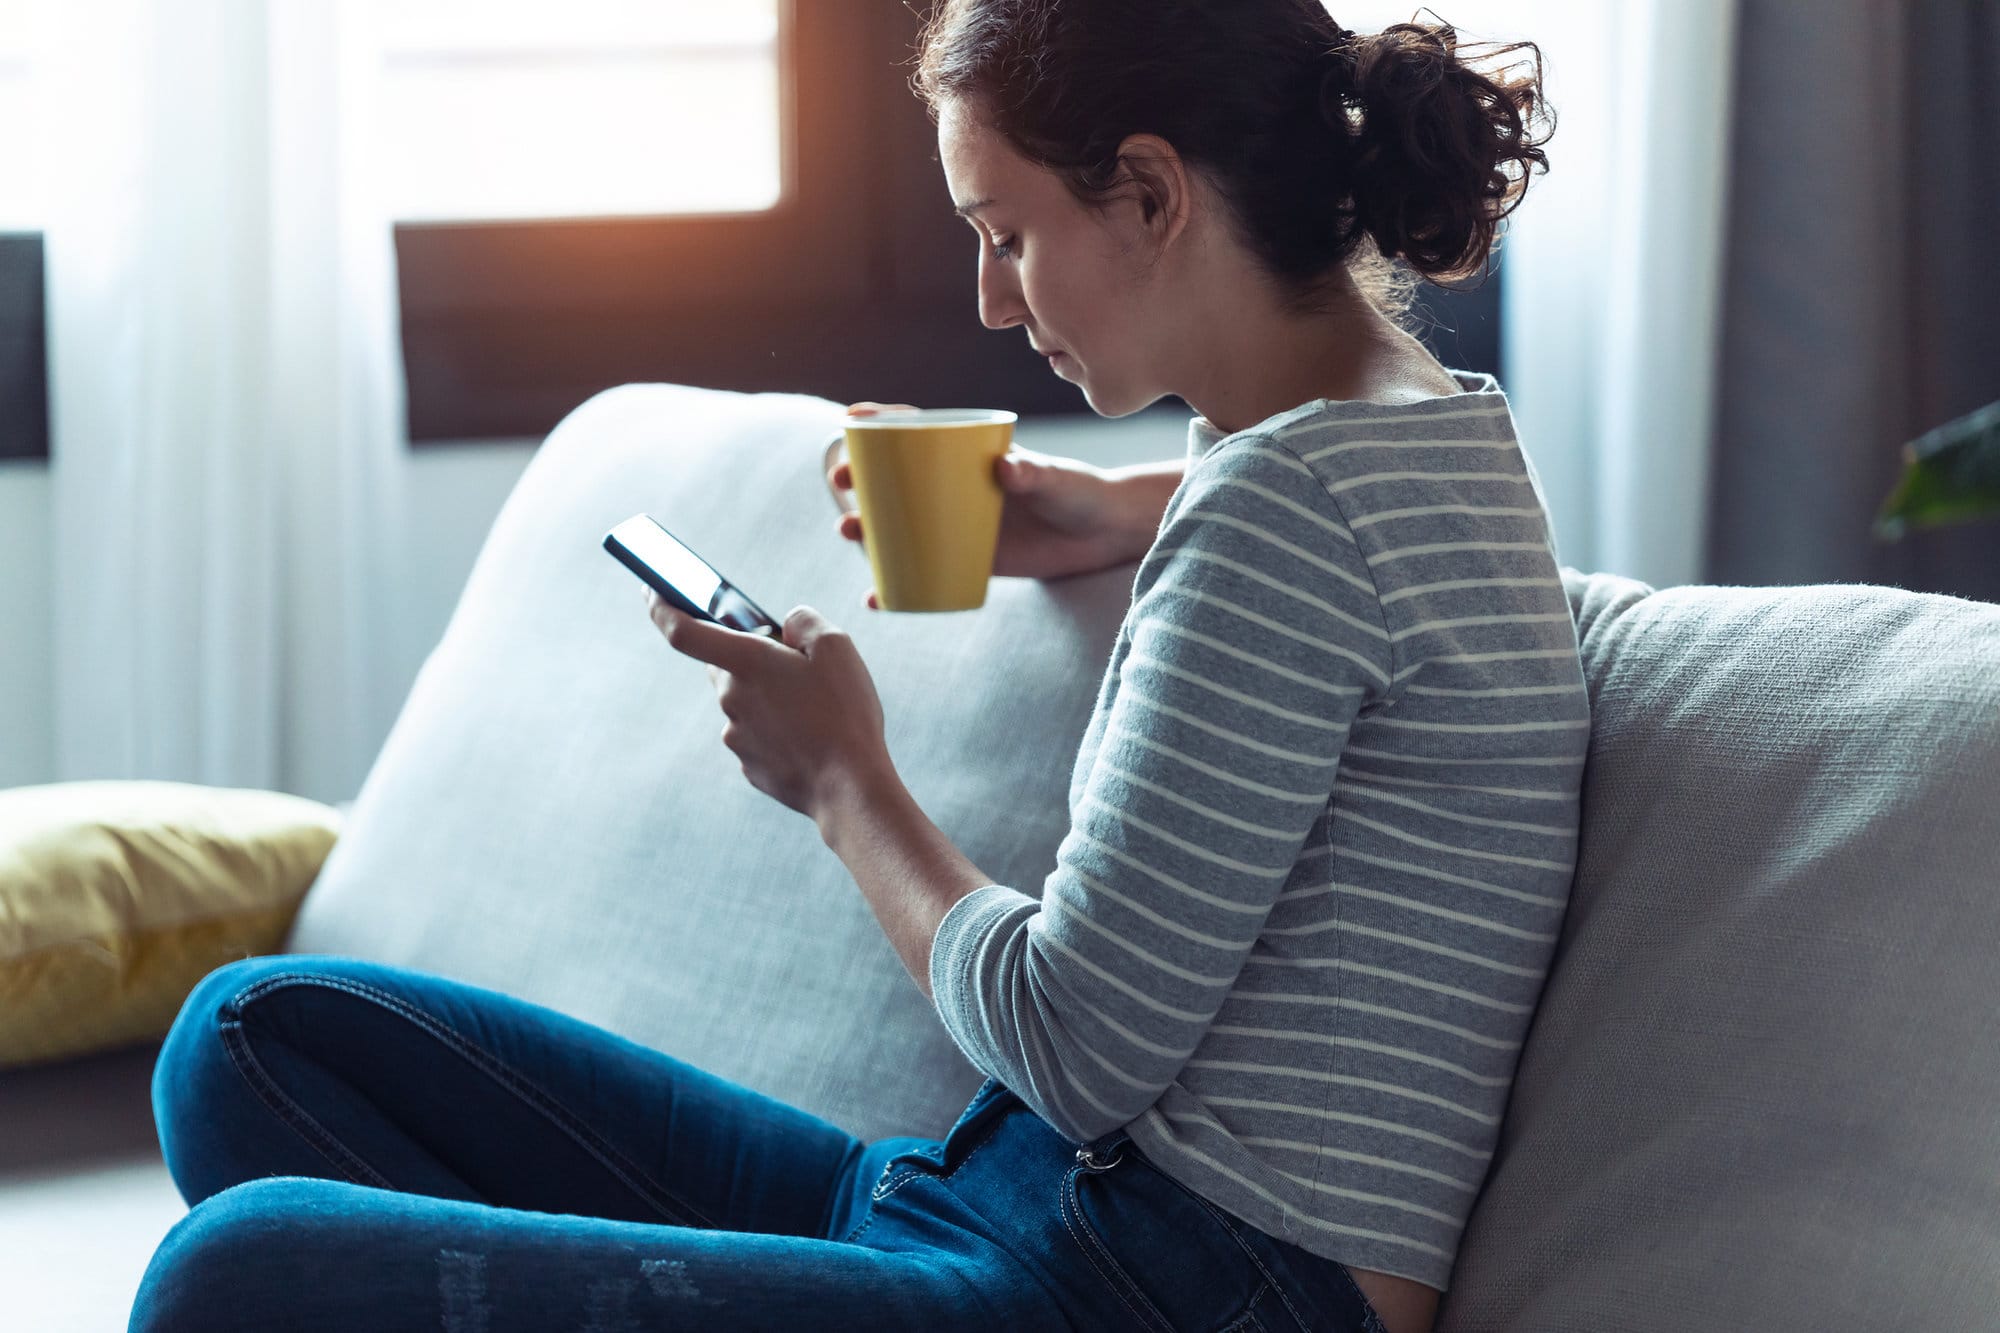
923 417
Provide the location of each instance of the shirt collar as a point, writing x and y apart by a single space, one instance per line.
1204 436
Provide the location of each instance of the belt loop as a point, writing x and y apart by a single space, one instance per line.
1104 1152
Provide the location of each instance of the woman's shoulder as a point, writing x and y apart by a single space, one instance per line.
1332 459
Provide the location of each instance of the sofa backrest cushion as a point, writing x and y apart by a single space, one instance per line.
1760 1092
1763 1086
554 813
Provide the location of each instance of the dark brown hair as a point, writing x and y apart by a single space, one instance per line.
1317 138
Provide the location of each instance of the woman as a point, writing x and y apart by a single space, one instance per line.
1249 1049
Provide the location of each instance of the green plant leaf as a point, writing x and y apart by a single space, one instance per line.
1950 475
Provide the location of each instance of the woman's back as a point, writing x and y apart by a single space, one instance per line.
1324 824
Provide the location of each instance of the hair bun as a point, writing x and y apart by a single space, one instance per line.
1337 82
1434 152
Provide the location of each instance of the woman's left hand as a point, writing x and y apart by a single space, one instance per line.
803 715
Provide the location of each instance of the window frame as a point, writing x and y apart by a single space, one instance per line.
861 283
24 361
508 324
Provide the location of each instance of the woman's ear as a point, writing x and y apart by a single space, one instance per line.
1160 179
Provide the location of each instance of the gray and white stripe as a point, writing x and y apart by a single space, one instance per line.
1323 826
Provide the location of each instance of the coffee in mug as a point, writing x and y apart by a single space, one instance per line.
930 502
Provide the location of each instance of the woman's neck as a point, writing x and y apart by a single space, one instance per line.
1247 373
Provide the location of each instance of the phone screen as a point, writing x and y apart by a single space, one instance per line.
689 575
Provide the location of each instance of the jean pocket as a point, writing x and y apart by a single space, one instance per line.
1153 1239
1167 1257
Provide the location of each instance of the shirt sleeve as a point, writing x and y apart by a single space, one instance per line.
1254 637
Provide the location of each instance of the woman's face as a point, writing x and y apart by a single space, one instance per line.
1068 276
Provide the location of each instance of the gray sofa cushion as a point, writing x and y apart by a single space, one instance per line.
1763 1087
1761 1091
554 813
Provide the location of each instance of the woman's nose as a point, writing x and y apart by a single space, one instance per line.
1000 303
1002 314
989 316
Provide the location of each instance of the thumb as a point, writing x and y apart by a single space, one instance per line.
1019 472
805 627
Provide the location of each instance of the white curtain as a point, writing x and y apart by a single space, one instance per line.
225 390
1613 270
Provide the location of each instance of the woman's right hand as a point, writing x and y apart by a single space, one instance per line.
1059 516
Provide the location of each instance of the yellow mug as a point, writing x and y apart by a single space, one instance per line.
929 501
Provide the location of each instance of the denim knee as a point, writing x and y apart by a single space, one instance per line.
194 1077
193 1044
228 1255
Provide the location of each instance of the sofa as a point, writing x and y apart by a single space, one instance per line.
1762 1090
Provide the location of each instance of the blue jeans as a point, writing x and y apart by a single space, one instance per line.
366 1147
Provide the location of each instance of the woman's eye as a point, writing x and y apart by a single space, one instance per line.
1001 249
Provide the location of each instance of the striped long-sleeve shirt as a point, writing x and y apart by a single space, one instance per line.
1323 824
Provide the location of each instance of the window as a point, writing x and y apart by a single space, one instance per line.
510 323
855 285
514 109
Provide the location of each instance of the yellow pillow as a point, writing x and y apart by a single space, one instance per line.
117 897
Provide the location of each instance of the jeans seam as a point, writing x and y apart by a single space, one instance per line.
867 1220
657 1196
1270 1278
1248 1319
991 1131
1117 1279
290 1114
896 1182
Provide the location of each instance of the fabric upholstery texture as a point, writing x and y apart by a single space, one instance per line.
554 813
1761 1088
116 897
1760 1091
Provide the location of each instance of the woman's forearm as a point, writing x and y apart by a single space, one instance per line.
1143 490
908 870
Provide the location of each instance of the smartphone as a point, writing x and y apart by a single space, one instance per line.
687 581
